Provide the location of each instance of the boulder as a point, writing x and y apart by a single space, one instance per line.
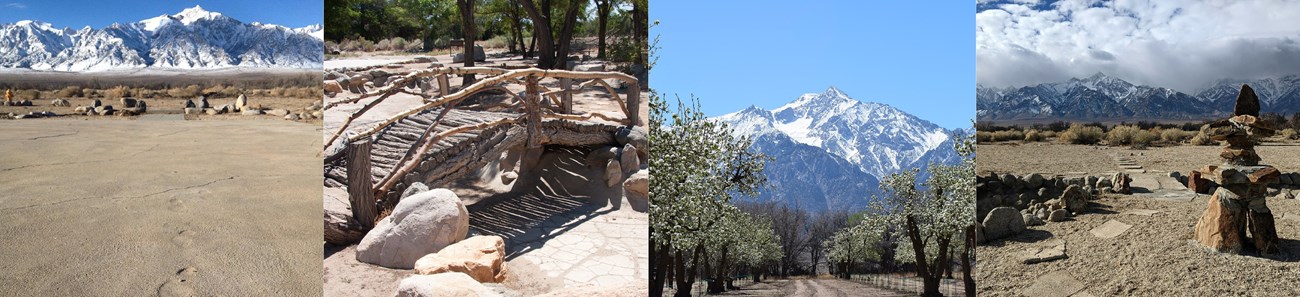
61 103
191 110
82 109
203 102
638 137
1032 220
212 111
128 102
251 112
332 86
1058 215
224 108
629 160
1011 181
95 103
1121 183
638 184
453 284
278 112
1197 183
415 188
480 257
140 104
1091 181
419 225
241 102
1075 198
1222 225
189 104
340 227
1043 213
291 117
479 54
1002 222
600 155
1033 181
613 173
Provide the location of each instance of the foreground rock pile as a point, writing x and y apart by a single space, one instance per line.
1238 205
243 106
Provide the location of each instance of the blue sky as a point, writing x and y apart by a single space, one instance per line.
914 55
98 13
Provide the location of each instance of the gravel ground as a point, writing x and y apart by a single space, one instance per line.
1156 257
1056 158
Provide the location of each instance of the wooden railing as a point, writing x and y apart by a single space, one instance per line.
356 146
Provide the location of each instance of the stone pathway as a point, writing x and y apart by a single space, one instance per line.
1056 284
1110 229
602 248
1153 184
1050 250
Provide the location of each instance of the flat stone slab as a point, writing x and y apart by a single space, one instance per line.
1169 183
1054 284
1291 216
1050 250
1110 229
1173 196
1150 183
1135 170
1142 212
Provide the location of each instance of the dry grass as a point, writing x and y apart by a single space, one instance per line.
1080 134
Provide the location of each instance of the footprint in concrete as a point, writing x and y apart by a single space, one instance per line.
175 204
180 285
183 238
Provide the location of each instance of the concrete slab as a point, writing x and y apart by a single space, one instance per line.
1169 183
1054 284
1110 229
1047 251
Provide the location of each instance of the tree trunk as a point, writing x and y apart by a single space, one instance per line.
566 37
641 30
467 23
928 277
716 285
602 16
543 43
966 259
659 267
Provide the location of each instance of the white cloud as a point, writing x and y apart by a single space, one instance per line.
1181 44
15 5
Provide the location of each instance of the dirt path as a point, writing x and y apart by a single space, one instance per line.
807 287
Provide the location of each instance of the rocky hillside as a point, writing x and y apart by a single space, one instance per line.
1103 97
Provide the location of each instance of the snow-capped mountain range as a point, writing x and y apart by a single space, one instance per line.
1103 97
831 150
192 39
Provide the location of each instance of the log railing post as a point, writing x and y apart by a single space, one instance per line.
566 96
443 85
634 103
360 189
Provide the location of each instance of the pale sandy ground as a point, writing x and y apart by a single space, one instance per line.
1156 256
171 208
1044 157
547 253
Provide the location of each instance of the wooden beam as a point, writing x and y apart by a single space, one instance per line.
360 189
566 104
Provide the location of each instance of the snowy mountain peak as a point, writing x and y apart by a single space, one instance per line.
196 13
195 38
877 138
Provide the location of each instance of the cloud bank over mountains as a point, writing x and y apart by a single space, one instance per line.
1183 45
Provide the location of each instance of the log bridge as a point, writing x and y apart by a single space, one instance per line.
443 140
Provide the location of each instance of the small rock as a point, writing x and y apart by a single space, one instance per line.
613 173
480 257
251 112
291 117
629 160
416 188
278 112
241 102
509 177
1032 220
61 103
638 184
1058 215
1033 181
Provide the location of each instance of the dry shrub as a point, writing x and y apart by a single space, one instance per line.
1008 135
1033 135
1047 134
384 45
983 136
415 45
70 91
118 92
1175 135
1130 135
1080 134
27 94
1203 138
189 91
1288 133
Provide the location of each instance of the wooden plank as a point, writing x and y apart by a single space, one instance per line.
566 96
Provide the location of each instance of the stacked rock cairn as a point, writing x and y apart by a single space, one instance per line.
1238 205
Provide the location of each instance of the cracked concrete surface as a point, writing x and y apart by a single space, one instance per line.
137 208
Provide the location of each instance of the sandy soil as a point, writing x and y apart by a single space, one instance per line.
1156 256
171 208
1042 157
807 287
